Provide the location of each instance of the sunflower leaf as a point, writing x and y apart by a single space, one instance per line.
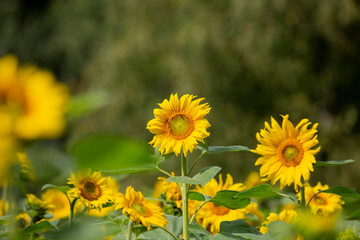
63 189
342 191
198 196
222 149
354 216
203 145
112 154
333 163
38 227
204 176
229 199
262 190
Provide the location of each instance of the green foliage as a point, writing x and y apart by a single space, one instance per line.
203 177
333 163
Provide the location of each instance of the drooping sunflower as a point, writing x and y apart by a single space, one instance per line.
287 152
288 216
179 124
211 215
60 203
91 188
32 102
323 203
139 209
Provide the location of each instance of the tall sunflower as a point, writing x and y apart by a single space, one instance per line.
139 209
211 215
91 188
323 203
32 102
287 153
179 124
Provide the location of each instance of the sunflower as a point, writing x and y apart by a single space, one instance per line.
59 201
39 206
170 189
139 209
323 203
91 188
32 102
288 216
256 216
287 153
22 220
211 215
179 124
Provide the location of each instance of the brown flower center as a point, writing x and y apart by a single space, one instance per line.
290 152
180 126
90 190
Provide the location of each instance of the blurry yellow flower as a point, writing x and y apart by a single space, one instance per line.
91 188
22 220
26 167
179 124
322 203
253 209
287 153
40 207
32 103
253 179
4 207
60 203
7 158
139 209
288 216
170 189
211 215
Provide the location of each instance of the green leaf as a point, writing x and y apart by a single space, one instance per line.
229 199
161 158
280 230
174 224
204 176
192 195
155 235
262 190
250 236
203 145
113 155
237 226
342 191
354 216
333 163
63 189
222 149
198 232
38 227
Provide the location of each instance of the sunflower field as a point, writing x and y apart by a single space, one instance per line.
176 120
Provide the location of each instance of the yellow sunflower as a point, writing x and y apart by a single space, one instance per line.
91 188
211 215
22 220
288 216
323 203
170 189
179 124
139 209
32 103
257 216
287 153
60 203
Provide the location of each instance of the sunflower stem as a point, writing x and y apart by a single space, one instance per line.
193 216
72 208
303 201
170 233
128 237
184 193
163 171
196 160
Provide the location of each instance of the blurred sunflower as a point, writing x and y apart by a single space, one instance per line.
253 179
287 153
288 216
32 103
4 207
26 167
22 220
91 188
170 189
139 209
179 124
40 207
211 215
60 203
323 203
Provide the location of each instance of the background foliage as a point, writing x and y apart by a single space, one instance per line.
249 59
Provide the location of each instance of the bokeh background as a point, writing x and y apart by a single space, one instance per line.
249 59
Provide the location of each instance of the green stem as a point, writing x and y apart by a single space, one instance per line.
128 237
4 196
170 233
196 160
303 201
72 208
163 171
307 205
193 216
184 193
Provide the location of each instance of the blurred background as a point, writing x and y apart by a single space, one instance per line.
249 59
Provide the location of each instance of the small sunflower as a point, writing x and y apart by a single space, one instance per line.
211 215
179 124
60 203
288 216
22 220
323 203
91 188
170 189
287 153
139 209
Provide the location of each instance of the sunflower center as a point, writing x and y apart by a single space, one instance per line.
139 208
90 190
290 152
181 126
219 210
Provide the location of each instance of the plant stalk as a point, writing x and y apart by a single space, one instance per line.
128 237
303 201
184 193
